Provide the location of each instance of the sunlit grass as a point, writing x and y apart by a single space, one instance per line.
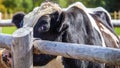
8 30
117 30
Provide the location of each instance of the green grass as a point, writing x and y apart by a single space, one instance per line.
8 30
117 30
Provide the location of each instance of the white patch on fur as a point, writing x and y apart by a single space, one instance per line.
46 8
92 10
81 6
104 28
111 34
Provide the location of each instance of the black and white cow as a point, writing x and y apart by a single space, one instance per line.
72 25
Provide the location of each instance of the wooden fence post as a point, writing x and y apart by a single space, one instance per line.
119 14
0 19
22 48
0 16
115 15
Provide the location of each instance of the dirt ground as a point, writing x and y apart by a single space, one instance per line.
56 63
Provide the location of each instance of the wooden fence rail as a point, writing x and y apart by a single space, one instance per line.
4 23
116 23
5 41
114 15
79 51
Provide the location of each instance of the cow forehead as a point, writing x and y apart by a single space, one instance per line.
46 8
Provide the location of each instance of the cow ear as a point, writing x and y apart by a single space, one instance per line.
17 19
61 22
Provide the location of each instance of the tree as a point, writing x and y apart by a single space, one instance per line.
10 5
63 3
28 5
2 7
37 2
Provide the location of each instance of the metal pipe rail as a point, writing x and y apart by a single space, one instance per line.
3 23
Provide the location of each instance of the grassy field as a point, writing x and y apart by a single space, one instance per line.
117 30
10 30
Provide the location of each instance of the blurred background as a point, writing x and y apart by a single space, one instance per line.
9 7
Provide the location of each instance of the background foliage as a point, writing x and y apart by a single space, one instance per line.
12 6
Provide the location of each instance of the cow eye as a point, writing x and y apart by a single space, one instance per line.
43 28
43 24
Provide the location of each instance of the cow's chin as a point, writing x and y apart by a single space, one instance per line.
5 58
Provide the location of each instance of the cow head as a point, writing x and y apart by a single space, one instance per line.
48 22
51 26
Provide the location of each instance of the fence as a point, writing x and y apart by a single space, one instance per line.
115 15
21 45
116 23
6 15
